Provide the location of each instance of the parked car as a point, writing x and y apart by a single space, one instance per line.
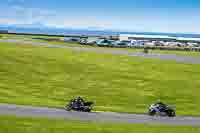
158 43
104 42
83 41
72 39
91 41
139 43
124 44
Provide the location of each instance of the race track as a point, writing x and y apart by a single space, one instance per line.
29 111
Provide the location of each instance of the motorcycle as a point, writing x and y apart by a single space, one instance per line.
84 107
161 110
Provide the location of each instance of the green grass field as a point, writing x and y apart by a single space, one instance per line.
26 36
10 124
49 77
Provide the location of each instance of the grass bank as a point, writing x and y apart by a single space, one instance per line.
49 77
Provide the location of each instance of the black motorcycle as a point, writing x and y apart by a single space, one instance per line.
83 107
161 110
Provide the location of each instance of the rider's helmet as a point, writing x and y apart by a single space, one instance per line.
161 104
79 98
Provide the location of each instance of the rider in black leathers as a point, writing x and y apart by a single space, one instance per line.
161 105
78 102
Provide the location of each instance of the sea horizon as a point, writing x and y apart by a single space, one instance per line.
89 32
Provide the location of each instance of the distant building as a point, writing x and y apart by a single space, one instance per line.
184 39
157 38
145 37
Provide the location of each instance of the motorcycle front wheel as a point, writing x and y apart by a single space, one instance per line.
67 108
171 113
87 109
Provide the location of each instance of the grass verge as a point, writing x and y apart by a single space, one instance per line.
11 124
49 77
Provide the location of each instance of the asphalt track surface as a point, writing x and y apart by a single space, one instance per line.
52 113
170 57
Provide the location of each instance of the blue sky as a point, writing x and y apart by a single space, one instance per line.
128 15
